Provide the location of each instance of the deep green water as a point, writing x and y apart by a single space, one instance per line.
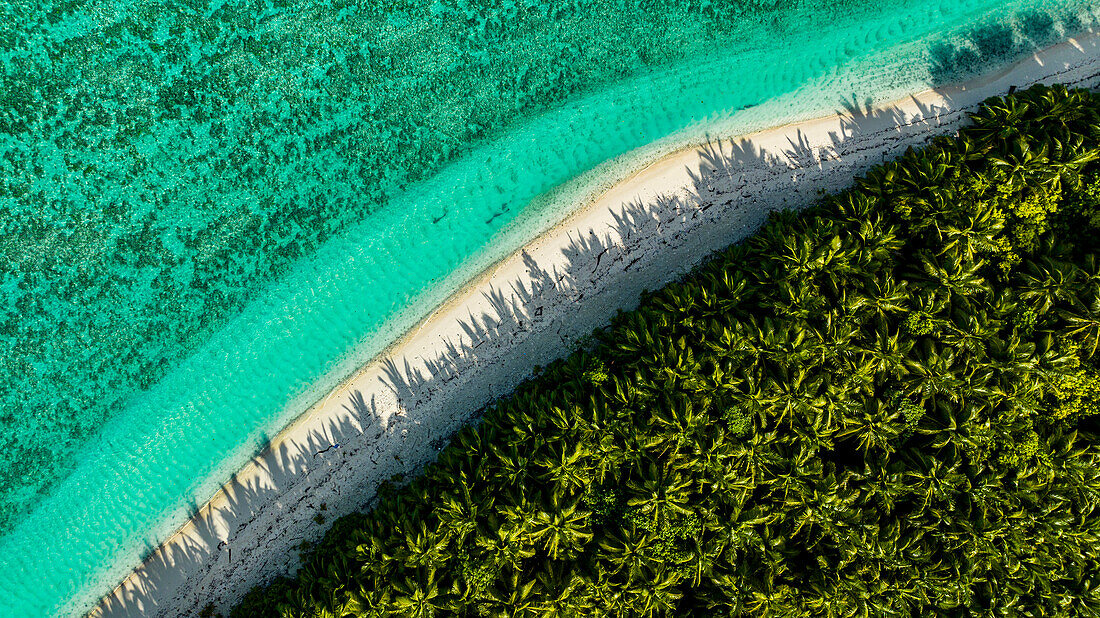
211 212
161 163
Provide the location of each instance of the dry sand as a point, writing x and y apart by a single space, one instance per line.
396 412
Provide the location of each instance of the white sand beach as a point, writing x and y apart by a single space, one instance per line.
398 411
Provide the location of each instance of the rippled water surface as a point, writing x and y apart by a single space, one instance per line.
213 210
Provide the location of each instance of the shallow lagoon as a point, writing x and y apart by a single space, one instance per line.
203 236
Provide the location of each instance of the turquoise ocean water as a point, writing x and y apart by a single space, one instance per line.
213 213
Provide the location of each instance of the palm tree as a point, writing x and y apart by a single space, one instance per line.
415 597
561 526
862 411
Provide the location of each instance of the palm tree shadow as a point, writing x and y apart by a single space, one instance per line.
533 320
1010 39
212 547
995 42
529 321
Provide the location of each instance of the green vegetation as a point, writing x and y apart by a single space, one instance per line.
885 406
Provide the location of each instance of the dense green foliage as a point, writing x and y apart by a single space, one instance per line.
887 405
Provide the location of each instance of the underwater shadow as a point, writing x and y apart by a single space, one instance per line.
736 183
997 41
397 418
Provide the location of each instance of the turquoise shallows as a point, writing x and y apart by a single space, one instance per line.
231 234
160 164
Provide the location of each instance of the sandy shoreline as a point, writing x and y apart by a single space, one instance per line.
396 412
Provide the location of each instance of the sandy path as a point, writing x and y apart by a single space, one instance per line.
396 412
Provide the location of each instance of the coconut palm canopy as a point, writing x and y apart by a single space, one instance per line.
887 405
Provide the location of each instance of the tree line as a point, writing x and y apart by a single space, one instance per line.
887 405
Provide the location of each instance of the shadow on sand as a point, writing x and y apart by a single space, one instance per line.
266 482
530 322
